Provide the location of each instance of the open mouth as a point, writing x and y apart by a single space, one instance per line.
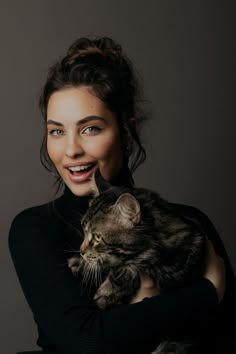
82 173
83 170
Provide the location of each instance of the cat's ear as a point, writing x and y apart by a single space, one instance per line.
98 183
129 208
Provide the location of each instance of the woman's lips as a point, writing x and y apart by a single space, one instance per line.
81 176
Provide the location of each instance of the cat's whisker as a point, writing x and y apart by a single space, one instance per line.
85 273
100 276
96 275
86 277
84 267
96 272
73 251
92 277
88 274
70 247
84 259
63 264
92 272
80 265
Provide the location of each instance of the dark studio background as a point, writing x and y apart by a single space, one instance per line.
184 51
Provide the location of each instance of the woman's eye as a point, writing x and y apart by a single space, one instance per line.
55 131
91 130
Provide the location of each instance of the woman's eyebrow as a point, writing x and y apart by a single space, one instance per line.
81 121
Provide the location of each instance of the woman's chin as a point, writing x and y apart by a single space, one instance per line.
80 190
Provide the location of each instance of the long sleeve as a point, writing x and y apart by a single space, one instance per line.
204 223
68 318
220 332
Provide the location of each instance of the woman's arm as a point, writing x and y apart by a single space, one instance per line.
72 323
209 229
220 329
214 272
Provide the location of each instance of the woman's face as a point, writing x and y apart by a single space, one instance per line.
82 133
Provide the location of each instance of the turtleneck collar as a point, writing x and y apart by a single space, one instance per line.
72 198
73 201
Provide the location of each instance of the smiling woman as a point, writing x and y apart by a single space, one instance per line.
89 138
92 117
95 78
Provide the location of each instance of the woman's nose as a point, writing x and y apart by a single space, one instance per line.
73 147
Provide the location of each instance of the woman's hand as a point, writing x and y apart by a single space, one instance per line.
215 270
147 289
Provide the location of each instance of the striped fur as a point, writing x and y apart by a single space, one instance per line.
129 230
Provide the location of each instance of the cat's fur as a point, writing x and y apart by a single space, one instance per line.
128 230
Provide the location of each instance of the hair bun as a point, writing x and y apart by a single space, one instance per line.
103 46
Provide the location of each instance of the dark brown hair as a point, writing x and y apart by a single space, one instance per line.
100 64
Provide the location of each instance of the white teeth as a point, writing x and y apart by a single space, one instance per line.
80 168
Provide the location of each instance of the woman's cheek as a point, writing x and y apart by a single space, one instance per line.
54 152
99 149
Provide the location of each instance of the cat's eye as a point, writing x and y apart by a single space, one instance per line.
97 237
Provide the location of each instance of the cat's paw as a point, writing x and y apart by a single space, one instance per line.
100 301
103 296
74 264
104 302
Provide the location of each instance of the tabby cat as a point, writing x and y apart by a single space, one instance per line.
128 230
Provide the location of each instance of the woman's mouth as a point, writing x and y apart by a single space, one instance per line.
81 173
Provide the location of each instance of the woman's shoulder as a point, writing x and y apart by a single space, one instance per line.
195 214
189 210
203 222
30 223
30 214
36 213
25 222
206 225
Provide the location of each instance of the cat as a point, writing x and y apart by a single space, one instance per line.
128 230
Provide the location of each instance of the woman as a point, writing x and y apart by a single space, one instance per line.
92 119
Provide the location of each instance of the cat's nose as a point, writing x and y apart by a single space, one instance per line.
83 248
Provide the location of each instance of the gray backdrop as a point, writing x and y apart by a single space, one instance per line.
184 51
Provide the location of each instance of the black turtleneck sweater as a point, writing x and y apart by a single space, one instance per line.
41 239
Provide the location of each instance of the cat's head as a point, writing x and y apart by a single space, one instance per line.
109 223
